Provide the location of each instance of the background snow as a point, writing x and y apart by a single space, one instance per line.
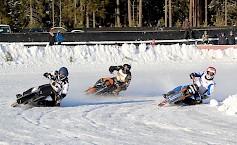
111 53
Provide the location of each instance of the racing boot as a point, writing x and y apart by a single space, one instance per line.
168 94
19 96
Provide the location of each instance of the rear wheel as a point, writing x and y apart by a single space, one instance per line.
108 90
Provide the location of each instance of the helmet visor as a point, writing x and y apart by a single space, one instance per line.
126 67
210 73
61 76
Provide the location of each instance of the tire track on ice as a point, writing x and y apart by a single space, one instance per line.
113 120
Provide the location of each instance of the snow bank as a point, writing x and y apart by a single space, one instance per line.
109 53
229 105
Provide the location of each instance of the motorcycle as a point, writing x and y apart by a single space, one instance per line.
35 97
183 96
104 86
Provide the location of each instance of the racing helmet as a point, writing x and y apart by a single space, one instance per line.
210 73
62 73
127 67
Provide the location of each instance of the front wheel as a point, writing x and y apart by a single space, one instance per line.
27 98
191 101
30 96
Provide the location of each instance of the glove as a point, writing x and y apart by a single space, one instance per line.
192 75
54 84
192 89
46 75
204 96
111 69
56 73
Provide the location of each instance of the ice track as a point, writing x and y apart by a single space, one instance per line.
130 119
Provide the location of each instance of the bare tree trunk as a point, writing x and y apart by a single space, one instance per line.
133 13
140 14
206 13
191 12
87 17
75 12
82 12
115 18
198 13
137 13
129 14
166 11
60 13
194 13
226 12
53 12
93 18
170 13
31 14
118 14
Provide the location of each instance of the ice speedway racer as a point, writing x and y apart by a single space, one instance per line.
193 94
112 85
38 96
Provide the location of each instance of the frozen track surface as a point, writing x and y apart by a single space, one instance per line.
127 121
132 118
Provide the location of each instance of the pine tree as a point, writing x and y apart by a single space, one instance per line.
17 13
4 18
217 7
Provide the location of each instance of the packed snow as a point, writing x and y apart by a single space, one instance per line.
130 118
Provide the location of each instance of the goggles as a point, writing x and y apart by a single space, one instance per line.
210 73
61 76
